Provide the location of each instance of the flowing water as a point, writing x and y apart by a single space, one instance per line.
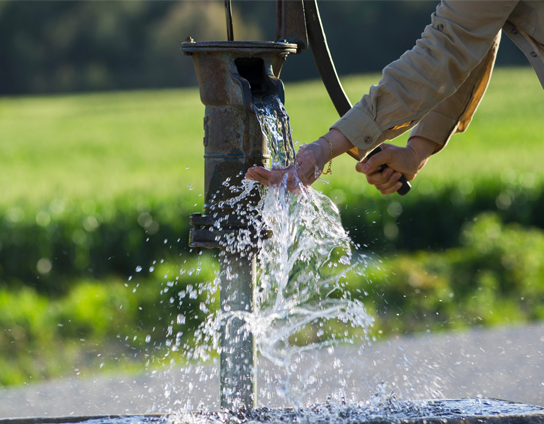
305 313
302 305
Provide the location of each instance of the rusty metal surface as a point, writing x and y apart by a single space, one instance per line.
230 76
291 23
238 360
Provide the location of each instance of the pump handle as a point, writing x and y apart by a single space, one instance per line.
327 70
228 15
406 186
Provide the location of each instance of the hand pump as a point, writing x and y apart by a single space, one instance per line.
230 75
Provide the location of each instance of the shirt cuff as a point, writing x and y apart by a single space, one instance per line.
359 128
436 127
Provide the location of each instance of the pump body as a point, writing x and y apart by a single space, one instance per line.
231 74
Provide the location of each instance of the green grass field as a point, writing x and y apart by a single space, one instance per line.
148 144
87 171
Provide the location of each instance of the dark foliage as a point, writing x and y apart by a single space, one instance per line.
49 47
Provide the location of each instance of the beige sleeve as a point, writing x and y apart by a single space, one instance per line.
461 34
454 114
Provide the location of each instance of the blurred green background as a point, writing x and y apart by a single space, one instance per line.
98 182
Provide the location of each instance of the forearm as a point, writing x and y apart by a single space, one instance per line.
455 113
423 148
338 143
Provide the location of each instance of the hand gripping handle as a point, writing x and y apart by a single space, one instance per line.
405 188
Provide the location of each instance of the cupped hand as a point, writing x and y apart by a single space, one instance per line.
311 159
398 161
274 177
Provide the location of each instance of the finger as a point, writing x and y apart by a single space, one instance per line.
278 176
392 182
259 170
391 190
306 170
385 146
250 174
292 182
374 163
380 177
259 176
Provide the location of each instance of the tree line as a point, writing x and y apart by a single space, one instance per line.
51 47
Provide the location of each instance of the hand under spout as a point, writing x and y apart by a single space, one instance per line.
311 160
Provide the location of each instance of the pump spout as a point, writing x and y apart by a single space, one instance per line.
256 80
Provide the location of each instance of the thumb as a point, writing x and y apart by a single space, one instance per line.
375 163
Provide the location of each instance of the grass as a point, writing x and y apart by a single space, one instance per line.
148 144
100 146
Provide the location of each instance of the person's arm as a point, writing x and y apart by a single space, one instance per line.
458 39
311 160
453 115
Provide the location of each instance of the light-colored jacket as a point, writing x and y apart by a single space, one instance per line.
440 82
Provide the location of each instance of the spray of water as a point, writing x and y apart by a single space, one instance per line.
301 305
304 316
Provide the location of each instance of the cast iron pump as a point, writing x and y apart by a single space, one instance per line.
231 75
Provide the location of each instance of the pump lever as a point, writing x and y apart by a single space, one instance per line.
327 70
228 15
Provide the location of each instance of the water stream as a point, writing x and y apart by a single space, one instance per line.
302 305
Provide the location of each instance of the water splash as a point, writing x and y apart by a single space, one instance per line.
393 411
303 311
301 303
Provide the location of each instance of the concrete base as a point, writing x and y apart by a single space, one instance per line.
444 411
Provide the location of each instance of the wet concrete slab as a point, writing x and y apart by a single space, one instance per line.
446 411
